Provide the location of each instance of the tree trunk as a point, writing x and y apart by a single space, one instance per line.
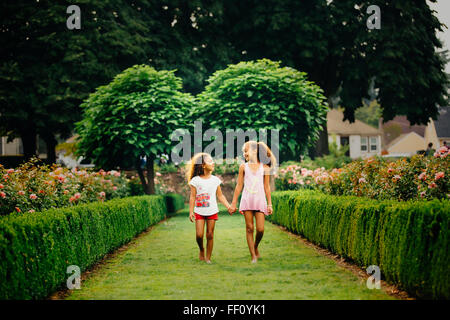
29 143
50 142
322 144
141 175
150 175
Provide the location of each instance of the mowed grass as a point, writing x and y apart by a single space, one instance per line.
163 264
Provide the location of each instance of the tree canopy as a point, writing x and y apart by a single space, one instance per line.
132 117
263 95
46 70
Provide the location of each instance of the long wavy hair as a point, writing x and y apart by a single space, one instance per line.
264 154
195 165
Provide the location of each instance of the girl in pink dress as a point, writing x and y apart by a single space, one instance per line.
256 201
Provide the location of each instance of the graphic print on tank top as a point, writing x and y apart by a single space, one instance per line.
254 182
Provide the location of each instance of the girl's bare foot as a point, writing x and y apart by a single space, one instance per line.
254 259
208 261
201 255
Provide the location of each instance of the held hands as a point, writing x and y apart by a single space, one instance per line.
269 209
191 216
232 209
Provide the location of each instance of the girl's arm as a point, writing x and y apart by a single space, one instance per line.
221 197
192 203
267 188
239 186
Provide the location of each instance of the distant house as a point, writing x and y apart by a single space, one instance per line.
442 125
12 148
15 147
401 139
364 140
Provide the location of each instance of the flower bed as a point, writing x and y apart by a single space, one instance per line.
31 188
417 178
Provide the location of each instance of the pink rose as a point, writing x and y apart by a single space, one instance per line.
114 188
422 194
102 194
422 176
439 175
2 194
390 170
77 195
21 193
442 150
33 196
432 185
362 180
10 171
1 186
158 174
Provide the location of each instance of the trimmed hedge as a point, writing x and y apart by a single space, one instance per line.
409 241
174 202
37 248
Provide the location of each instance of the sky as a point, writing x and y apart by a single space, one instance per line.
443 13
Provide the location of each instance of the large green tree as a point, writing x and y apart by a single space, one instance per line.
133 117
332 43
46 70
263 95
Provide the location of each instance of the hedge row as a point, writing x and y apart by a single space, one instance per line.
409 241
37 248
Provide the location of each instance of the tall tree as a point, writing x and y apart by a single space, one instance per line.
262 95
332 43
133 117
46 70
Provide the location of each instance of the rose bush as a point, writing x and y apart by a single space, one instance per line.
416 178
32 187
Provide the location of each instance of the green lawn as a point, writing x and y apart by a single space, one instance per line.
163 264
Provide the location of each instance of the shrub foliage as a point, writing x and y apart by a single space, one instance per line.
37 248
407 240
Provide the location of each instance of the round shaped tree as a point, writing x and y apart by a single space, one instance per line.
262 95
132 117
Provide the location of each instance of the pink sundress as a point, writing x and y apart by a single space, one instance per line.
253 195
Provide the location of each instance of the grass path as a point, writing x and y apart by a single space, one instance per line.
163 264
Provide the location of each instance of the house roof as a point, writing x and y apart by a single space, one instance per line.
337 125
401 137
405 126
442 124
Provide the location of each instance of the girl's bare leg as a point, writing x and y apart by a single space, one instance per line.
259 218
249 228
210 224
199 230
